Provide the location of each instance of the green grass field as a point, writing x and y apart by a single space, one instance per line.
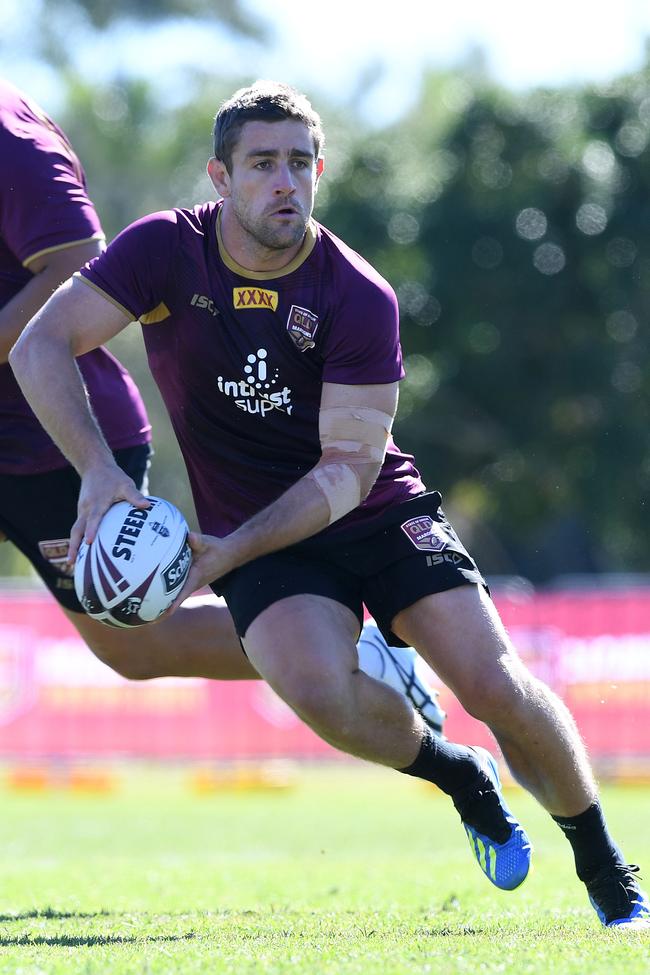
355 870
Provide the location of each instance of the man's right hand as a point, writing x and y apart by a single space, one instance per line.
101 487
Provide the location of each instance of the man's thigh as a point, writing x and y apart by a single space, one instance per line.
460 634
304 644
252 589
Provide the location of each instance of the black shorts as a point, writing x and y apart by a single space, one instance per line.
37 512
409 552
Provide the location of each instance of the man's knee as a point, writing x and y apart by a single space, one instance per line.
497 693
324 705
129 652
127 663
124 653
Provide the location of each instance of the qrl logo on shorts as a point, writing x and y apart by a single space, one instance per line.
55 551
425 533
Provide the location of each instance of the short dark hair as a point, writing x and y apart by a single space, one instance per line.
264 101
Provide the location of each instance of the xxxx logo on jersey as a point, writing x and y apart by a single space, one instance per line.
254 298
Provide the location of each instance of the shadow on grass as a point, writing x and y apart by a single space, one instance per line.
88 941
48 912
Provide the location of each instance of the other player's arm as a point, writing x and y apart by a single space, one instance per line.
49 271
76 319
354 427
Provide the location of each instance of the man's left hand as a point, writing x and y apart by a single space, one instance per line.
210 560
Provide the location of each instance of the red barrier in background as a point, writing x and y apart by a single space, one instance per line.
593 648
57 700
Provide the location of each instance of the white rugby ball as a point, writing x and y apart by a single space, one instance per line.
136 565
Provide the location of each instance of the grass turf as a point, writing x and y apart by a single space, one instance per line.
355 870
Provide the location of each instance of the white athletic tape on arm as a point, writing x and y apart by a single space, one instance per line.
340 486
359 430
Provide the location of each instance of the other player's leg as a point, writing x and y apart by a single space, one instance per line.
404 670
198 640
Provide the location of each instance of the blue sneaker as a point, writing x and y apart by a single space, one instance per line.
618 900
506 864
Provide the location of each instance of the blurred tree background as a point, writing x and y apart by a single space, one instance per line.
514 230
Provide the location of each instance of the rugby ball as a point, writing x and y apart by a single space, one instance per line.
136 565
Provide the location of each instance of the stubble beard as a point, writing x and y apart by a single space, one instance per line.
275 238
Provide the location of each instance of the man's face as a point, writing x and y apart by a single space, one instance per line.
272 182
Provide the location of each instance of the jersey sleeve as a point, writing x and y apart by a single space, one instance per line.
362 344
44 203
135 269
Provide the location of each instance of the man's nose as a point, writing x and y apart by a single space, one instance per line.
285 183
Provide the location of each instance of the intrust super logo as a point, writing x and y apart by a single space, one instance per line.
260 391
254 298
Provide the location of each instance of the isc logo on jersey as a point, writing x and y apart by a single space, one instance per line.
202 301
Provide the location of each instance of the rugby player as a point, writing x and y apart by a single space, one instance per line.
276 350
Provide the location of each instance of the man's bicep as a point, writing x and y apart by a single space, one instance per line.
354 422
79 315
379 396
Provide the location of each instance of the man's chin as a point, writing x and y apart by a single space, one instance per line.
283 241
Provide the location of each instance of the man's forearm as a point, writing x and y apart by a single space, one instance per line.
302 511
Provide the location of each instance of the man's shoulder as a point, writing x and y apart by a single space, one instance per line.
151 256
353 273
23 143
33 147
176 222
14 112
199 220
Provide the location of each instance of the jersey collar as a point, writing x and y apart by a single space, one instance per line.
308 244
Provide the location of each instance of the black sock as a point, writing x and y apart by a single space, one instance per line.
456 770
450 767
593 847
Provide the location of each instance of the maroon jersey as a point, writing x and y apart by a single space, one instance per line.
44 206
240 356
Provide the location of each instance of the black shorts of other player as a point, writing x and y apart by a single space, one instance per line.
37 512
408 552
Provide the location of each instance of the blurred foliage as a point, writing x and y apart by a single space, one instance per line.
514 230
66 25
102 13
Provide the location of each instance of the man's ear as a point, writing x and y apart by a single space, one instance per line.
320 166
219 176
